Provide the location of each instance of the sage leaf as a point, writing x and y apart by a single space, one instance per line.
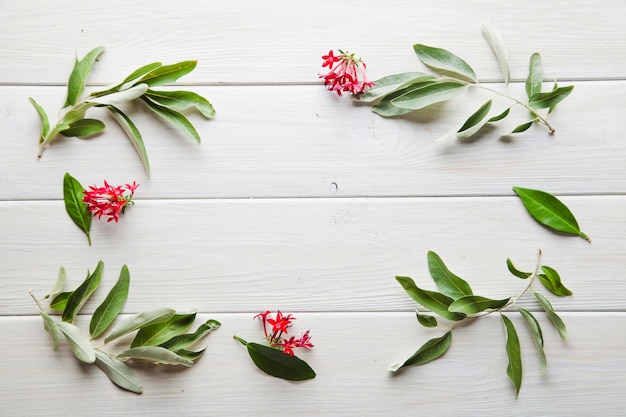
45 123
174 117
537 335
139 320
112 305
554 318
436 302
426 320
514 353
549 99
523 127
83 128
59 302
192 355
495 41
391 83
277 364
51 327
167 73
78 77
79 343
75 114
160 332
446 282
74 205
431 350
183 341
80 295
120 97
133 134
535 75
549 211
472 304
181 101
441 59
386 108
499 116
477 120
516 272
552 281
118 372
58 286
156 355
140 72
425 94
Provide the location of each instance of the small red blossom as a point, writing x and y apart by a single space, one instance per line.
278 327
348 75
109 200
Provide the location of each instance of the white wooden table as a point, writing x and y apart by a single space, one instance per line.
302 201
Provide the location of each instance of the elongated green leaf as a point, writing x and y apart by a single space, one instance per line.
436 302
550 99
447 282
441 59
75 114
516 272
499 116
79 343
477 120
76 209
139 320
426 320
120 97
167 73
535 75
79 297
495 41
78 77
431 350
183 341
84 128
537 335
429 93
391 83
523 127
118 372
386 108
59 285
472 304
514 353
549 211
112 305
174 117
140 72
51 327
156 355
275 363
192 355
554 318
133 134
60 301
45 123
181 101
158 333
552 281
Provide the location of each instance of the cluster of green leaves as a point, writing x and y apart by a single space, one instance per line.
400 94
160 337
456 302
140 84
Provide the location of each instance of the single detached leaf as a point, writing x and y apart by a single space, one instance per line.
118 372
79 343
477 120
181 101
514 352
139 320
425 94
516 272
426 320
84 128
156 355
391 83
537 335
554 318
51 327
535 75
78 77
495 41
174 117
447 282
133 134
499 116
183 341
523 127
549 99
472 304
80 295
436 302
45 123
167 73
59 302
74 205
120 97
275 363
444 60
549 211
431 350
552 281
160 332
112 305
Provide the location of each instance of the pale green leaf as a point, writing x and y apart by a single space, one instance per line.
535 75
59 285
84 128
79 343
552 281
554 318
472 304
75 114
431 350
133 134
441 59
495 41
181 101
516 272
535 331
118 372
174 117
477 120
549 99
156 355
426 94
392 83
436 302
139 320
51 327
120 97
78 77
447 282
74 205
79 297
112 305
158 333
514 353
45 123
167 73
183 341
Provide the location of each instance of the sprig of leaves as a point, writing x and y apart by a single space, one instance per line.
400 94
454 301
160 337
140 84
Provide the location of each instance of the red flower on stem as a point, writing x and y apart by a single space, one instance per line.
109 200
279 325
347 73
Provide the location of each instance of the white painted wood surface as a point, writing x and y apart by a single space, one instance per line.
303 201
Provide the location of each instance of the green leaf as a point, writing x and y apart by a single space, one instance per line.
472 304
275 363
431 350
45 123
60 301
79 297
436 302
554 318
477 120
549 211
51 327
447 282
426 320
156 355
84 128
444 60
181 101
167 73
386 108
500 116
392 83
535 75
78 77
74 115
58 286
425 94
118 372
549 99
139 320
112 305
523 127
513 351
79 343
140 72
120 97
76 209
552 281
133 134
495 41
192 355
157 333
516 272
183 341
537 335
174 117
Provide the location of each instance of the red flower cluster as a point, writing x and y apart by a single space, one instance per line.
279 326
108 200
344 73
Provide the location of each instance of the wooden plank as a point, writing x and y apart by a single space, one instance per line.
312 255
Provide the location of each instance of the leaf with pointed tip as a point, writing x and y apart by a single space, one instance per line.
447 282
167 73
386 108
426 320
138 321
120 97
59 302
58 286
156 355
174 117
112 305
472 304
443 60
552 281
554 318
514 353
74 205
535 331
80 295
535 75
431 350
181 101
183 341
499 116
118 372
277 364
523 127
425 94
84 128
392 83
436 302
516 272
160 332
495 41
79 343
51 327
549 99
78 77
133 134
45 123
477 120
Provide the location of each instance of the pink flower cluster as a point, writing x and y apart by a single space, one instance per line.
347 73
279 326
109 200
